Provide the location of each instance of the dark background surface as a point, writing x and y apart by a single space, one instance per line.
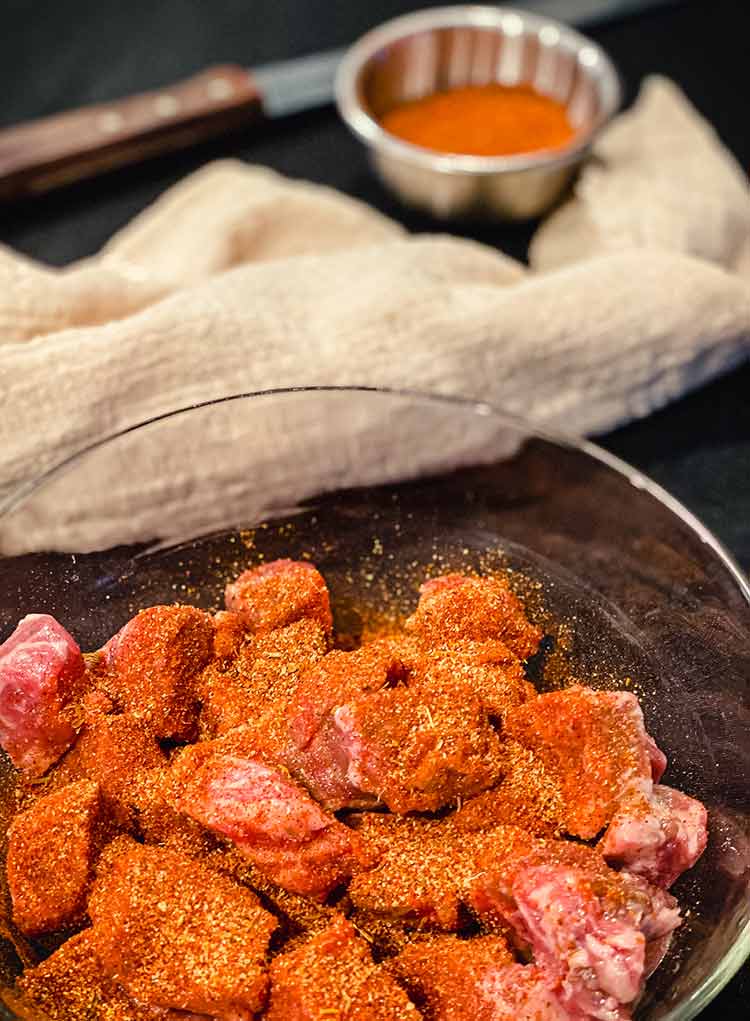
62 53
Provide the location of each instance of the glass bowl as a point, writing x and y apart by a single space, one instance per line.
379 488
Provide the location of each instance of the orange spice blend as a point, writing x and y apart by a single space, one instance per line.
482 120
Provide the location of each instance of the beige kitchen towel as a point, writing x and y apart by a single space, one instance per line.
240 280
658 178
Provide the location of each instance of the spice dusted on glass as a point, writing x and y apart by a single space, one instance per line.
482 120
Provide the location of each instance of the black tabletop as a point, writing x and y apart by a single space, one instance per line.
62 53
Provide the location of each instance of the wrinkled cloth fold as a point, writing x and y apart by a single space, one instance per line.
240 280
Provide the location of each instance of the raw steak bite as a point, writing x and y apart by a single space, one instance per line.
445 976
587 926
268 817
41 668
299 916
279 593
362 730
157 822
456 608
111 751
595 743
152 666
332 976
528 796
417 750
176 934
315 753
426 867
489 669
52 850
526 992
71 985
263 673
657 836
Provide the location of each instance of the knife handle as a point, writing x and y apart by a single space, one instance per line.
53 151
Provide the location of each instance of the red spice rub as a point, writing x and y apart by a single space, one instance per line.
426 867
456 608
176 934
594 742
444 975
152 665
157 822
72 985
230 633
52 849
529 795
278 593
489 669
489 119
332 977
112 751
262 673
299 916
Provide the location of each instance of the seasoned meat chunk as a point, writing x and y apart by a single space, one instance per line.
263 673
657 836
299 916
529 795
361 731
226 703
316 755
489 669
279 593
586 925
176 934
152 666
41 668
157 822
111 751
52 850
418 750
333 976
72 985
445 976
268 817
594 742
455 608
426 867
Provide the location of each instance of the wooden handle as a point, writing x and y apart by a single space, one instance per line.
67 147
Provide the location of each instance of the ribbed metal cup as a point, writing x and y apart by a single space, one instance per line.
446 47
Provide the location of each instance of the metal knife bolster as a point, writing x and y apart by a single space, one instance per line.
291 86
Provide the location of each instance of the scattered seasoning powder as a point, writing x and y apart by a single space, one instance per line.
482 120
